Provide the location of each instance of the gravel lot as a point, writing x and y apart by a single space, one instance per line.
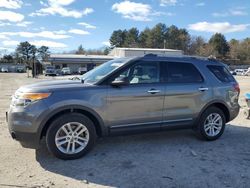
166 159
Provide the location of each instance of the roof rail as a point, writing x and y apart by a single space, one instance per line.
210 58
162 55
150 55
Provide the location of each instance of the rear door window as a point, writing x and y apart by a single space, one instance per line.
183 73
221 73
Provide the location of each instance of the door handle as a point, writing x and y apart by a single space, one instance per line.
154 91
203 89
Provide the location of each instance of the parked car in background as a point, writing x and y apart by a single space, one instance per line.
247 73
58 72
20 69
244 72
233 73
50 71
82 70
126 95
4 69
66 71
240 72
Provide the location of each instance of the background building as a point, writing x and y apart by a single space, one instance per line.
130 52
74 61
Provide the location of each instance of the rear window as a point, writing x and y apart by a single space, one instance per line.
183 73
221 73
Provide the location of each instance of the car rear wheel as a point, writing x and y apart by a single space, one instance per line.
71 136
211 124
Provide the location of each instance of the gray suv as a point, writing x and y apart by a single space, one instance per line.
126 95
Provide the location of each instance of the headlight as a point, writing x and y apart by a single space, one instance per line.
24 99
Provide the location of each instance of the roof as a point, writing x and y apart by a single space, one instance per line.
180 58
149 49
76 56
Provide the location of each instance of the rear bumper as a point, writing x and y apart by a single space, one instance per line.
234 112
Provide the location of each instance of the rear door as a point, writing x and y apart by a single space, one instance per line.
186 93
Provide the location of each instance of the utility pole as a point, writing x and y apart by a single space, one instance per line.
164 43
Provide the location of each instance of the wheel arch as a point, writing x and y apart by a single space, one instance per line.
96 119
219 104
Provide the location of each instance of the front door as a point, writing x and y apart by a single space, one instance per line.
138 105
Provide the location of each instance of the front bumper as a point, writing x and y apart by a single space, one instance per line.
23 124
27 140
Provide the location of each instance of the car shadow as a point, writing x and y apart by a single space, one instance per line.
158 159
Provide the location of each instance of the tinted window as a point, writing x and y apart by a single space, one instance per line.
142 72
221 73
183 73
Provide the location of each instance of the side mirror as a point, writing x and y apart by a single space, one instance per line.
120 82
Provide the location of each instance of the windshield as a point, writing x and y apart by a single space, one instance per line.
103 70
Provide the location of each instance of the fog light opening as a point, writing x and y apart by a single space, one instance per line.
13 135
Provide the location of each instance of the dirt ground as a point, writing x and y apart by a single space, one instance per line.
165 159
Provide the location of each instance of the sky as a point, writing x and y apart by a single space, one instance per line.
63 25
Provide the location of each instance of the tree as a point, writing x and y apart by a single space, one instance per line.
244 51
17 58
33 51
145 40
196 45
26 51
157 35
219 45
131 37
106 50
43 53
234 49
80 50
152 38
206 50
117 38
177 38
7 59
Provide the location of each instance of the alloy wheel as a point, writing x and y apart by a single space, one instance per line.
213 124
72 138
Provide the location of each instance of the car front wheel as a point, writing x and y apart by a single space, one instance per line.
71 136
211 124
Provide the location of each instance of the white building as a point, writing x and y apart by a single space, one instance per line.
130 52
74 61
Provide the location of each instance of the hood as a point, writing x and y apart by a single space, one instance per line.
52 85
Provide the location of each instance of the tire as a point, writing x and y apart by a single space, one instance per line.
203 128
58 129
246 113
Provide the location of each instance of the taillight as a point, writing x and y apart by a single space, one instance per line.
237 87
